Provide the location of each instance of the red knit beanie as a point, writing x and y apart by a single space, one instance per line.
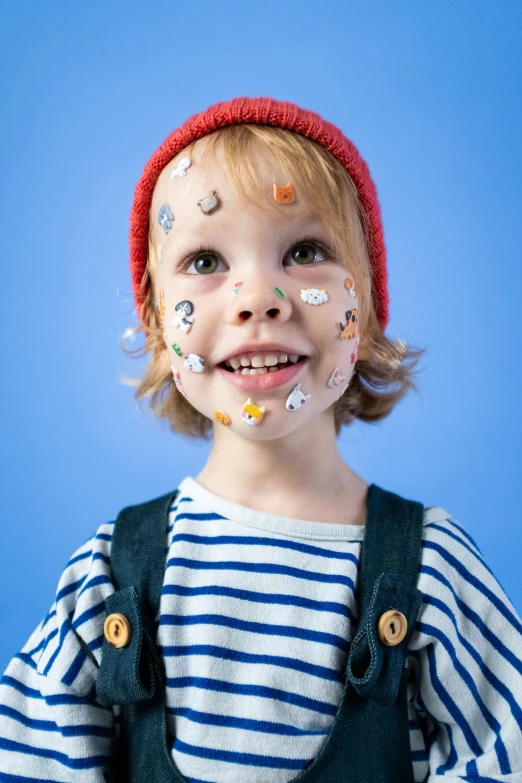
261 111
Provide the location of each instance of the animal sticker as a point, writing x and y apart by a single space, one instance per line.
314 296
181 169
349 330
165 218
222 417
350 286
251 413
210 203
284 194
237 286
296 398
336 379
180 320
177 381
194 362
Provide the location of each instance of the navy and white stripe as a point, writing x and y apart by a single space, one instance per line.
256 617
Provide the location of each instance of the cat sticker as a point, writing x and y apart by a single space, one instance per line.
296 398
210 203
284 194
194 362
336 379
251 413
165 218
349 330
314 296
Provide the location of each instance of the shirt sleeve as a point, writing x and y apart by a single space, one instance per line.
52 728
467 653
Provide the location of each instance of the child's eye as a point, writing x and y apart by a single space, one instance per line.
205 262
307 253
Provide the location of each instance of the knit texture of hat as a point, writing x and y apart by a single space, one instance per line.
261 111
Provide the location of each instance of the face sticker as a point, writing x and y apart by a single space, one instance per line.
314 296
180 320
165 218
350 286
349 330
181 169
296 398
284 194
177 381
161 305
251 413
280 293
222 417
176 348
336 379
210 203
194 362
237 286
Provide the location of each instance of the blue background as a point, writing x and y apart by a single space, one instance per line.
431 95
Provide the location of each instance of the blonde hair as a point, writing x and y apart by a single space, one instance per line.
378 382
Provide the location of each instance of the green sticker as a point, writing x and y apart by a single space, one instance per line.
279 293
177 349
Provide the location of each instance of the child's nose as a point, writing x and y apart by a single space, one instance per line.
259 301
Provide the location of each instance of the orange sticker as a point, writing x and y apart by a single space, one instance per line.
284 194
222 417
350 286
349 329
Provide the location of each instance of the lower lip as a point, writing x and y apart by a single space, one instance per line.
261 383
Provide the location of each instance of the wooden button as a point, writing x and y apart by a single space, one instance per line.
117 630
392 627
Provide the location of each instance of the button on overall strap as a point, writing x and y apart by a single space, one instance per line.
133 675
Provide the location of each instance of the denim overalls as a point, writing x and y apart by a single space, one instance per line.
369 741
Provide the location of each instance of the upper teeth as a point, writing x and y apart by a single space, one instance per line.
260 359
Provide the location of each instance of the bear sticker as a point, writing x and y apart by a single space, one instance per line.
210 203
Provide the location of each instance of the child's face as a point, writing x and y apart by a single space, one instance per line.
254 275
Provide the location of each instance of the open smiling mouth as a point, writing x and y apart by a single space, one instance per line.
253 371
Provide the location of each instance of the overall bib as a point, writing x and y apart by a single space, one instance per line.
369 741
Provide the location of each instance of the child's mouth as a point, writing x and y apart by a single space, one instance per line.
253 371
274 376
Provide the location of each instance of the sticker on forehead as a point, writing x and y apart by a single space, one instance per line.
180 320
236 288
210 203
165 218
181 169
350 286
194 362
314 296
349 329
284 194
251 413
296 398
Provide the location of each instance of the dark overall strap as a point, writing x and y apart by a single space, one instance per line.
134 676
369 741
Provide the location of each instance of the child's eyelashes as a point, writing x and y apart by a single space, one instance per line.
307 252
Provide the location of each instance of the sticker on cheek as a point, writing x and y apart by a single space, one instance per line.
194 362
349 329
177 349
222 417
165 218
284 194
336 379
251 413
177 381
181 169
296 398
180 320
280 294
350 286
236 288
314 296
210 203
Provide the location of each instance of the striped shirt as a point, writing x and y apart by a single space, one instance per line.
256 616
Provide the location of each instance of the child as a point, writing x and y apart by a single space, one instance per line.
242 642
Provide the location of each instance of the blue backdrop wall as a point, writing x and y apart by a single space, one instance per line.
430 93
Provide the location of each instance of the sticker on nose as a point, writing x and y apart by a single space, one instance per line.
314 296
180 320
251 413
296 398
194 362
165 218
210 203
284 194
181 169
280 293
